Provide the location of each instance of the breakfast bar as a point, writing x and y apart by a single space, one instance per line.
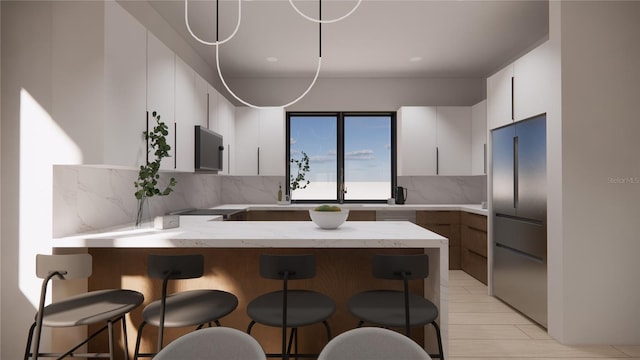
232 250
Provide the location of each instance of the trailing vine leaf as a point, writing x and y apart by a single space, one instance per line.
146 185
298 181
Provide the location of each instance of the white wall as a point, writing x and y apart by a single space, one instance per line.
555 248
600 172
25 26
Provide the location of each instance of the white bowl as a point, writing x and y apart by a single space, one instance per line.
329 219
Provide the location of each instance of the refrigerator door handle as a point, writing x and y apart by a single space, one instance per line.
515 172
521 253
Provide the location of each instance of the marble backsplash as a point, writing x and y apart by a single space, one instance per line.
444 189
88 198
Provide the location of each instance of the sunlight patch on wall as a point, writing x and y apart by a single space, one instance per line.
42 144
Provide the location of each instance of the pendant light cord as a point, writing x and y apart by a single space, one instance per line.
216 43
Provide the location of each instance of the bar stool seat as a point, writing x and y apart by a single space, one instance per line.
304 308
91 308
380 307
191 307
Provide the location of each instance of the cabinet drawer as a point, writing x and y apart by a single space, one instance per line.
366 215
284 215
437 217
474 240
474 221
302 215
474 265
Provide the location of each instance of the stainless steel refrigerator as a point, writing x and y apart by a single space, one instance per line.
519 211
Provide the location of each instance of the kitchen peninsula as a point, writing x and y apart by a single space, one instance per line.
232 250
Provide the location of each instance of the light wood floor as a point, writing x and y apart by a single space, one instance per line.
482 327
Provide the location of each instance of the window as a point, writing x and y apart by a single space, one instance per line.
338 157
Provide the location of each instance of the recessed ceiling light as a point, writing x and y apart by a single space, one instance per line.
415 58
272 59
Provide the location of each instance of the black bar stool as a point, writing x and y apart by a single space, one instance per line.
397 309
290 308
185 308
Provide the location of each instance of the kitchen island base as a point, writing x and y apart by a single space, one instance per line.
340 274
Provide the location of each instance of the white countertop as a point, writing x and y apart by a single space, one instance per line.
471 208
202 231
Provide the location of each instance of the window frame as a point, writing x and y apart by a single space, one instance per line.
340 157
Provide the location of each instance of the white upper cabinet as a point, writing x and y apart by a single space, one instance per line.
434 140
160 91
272 142
417 140
454 140
499 98
520 90
479 138
247 141
221 120
125 88
226 120
202 101
532 82
185 121
260 141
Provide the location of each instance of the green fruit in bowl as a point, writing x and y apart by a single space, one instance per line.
327 208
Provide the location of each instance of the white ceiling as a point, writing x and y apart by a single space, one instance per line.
461 39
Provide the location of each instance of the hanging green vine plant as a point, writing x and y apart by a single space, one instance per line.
299 181
147 183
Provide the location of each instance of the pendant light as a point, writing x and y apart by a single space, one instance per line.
217 44
320 21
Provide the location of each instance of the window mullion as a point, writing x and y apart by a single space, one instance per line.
340 157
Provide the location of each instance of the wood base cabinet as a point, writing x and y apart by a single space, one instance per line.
447 224
300 215
474 245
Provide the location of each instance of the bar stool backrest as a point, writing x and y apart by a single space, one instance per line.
392 267
175 266
72 266
297 266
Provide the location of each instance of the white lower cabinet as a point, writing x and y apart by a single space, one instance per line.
259 141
